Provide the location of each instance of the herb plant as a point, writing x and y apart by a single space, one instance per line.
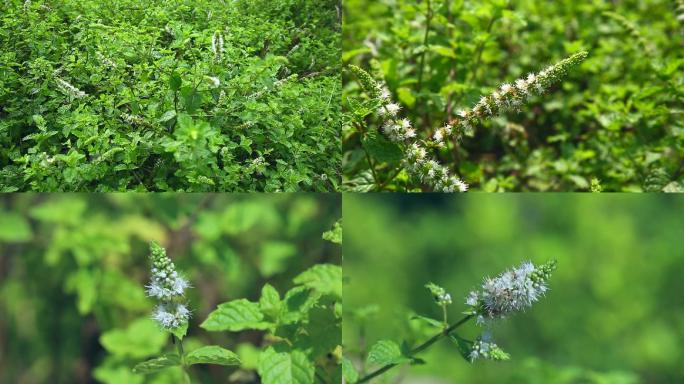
512 291
303 327
169 96
438 117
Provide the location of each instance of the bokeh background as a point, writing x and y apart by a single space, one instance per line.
73 267
615 312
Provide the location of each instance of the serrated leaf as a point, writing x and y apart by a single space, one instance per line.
349 373
382 149
212 354
324 278
236 315
157 364
285 367
386 352
270 303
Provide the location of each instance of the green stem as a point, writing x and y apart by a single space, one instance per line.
417 349
179 349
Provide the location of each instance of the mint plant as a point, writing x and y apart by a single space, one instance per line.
614 115
512 291
421 168
301 328
184 96
172 315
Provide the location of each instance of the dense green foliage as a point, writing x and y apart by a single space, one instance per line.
615 121
613 314
191 95
72 299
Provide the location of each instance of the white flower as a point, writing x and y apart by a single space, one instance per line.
215 81
438 137
385 94
179 285
513 290
485 348
393 108
506 88
69 89
410 133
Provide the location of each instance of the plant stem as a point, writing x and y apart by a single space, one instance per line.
417 349
179 349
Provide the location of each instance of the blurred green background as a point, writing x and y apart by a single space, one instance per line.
615 312
73 267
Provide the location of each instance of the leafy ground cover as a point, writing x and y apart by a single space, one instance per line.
447 71
183 95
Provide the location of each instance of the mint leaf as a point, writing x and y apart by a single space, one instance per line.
157 364
236 315
270 303
324 278
386 352
285 367
212 354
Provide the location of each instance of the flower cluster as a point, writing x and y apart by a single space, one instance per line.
511 96
69 89
168 287
217 44
416 161
442 298
512 291
485 348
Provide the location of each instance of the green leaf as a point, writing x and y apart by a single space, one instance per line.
335 234
236 315
433 322
443 51
463 345
180 331
349 373
386 352
405 95
157 364
270 303
212 354
175 81
168 115
324 278
141 338
285 368
14 228
191 99
382 149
